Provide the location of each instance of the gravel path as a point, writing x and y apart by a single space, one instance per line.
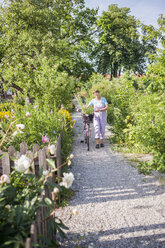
117 207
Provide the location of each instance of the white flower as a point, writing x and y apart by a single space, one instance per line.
28 114
55 190
67 180
22 164
45 172
20 126
43 192
8 206
52 149
5 179
75 211
35 106
15 133
71 156
69 162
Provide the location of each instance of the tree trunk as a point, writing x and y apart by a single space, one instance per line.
115 68
111 71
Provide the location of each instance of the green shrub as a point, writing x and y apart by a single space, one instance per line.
136 111
147 129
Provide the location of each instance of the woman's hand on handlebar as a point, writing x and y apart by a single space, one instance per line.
97 110
78 110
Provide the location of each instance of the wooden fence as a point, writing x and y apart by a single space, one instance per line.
40 225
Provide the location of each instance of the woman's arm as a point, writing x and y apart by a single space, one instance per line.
90 104
105 108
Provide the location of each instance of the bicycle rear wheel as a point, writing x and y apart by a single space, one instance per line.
88 137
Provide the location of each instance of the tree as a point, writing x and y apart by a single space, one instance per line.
119 45
33 31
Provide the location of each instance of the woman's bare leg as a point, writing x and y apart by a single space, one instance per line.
97 141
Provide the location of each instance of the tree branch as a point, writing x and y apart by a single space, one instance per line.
16 87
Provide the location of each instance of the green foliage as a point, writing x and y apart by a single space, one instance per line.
88 110
120 46
20 200
136 113
52 87
145 168
33 33
43 121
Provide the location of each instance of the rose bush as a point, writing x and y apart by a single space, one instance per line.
21 195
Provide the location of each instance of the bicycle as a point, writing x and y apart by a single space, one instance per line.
87 130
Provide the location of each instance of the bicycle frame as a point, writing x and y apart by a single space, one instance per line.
87 131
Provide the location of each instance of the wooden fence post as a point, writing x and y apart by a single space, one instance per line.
28 243
23 148
1 171
6 164
11 152
36 148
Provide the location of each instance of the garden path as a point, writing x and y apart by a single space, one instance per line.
117 207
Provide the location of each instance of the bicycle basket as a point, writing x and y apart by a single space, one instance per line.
88 118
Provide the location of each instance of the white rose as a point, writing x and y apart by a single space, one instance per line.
69 162
55 190
71 156
28 114
20 126
52 149
22 164
5 179
45 172
67 180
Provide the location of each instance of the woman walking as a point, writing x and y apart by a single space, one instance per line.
100 105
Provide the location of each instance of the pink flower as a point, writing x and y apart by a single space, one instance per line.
45 139
7 116
62 106
4 179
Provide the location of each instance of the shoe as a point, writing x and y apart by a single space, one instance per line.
97 146
101 145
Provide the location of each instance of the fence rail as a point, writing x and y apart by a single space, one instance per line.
40 225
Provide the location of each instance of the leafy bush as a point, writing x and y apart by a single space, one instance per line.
53 87
21 195
147 129
136 111
38 121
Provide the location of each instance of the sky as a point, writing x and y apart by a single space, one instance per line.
147 11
